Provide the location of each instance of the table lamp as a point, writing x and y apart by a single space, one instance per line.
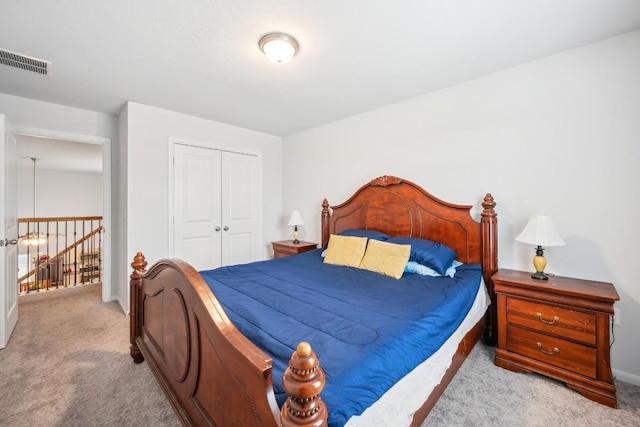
295 220
540 232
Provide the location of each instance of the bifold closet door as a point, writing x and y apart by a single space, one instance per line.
216 206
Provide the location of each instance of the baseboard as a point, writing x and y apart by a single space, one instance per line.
125 309
626 377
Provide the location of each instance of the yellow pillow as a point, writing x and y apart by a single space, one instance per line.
385 258
345 250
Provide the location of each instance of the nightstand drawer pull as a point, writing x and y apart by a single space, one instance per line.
555 350
548 322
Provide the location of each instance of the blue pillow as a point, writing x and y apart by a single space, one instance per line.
423 270
361 232
434 255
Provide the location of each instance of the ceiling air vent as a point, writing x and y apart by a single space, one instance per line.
24 62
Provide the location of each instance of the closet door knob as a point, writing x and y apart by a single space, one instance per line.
226 228
217 228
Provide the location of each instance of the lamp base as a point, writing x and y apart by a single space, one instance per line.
540 275
539 263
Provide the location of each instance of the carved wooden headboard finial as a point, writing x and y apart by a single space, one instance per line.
488 204
385 180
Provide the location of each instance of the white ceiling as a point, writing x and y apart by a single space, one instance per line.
201 57
56 154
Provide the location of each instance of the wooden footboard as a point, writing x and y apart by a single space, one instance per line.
210 372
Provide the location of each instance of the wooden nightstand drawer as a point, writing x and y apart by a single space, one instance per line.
574 357
550 319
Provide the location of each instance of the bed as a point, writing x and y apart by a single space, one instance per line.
214 375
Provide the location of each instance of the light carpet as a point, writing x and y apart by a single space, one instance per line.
482 394
68 364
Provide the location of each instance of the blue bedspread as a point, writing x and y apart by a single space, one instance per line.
367 329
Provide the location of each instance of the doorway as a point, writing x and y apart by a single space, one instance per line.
81 154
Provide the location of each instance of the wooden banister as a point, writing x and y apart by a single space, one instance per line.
42 266
60 219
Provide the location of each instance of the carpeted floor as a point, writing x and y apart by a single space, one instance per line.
482 394
68 364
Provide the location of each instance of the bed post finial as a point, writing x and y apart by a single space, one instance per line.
303 381
138 264
490 265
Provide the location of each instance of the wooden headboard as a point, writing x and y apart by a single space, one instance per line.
399 207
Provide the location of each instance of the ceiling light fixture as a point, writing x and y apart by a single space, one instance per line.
278 47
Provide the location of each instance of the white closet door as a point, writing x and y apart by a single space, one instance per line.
240 208
197 206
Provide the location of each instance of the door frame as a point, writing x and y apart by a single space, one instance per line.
105 143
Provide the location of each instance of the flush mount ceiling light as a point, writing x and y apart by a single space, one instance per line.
278 47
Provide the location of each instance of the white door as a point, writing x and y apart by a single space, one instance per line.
9 233
240 214
197 206
216 207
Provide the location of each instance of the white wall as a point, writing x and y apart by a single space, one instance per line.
59 193
147 205
559 136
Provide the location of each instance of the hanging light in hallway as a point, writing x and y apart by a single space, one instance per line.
34 238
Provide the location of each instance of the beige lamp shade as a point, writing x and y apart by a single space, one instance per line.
295 219
540 231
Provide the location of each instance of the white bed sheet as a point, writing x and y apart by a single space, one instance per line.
397 406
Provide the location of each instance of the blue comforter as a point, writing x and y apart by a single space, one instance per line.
367 329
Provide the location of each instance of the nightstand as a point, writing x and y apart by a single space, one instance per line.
559 328
285 248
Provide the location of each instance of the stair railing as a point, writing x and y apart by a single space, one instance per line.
59 251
